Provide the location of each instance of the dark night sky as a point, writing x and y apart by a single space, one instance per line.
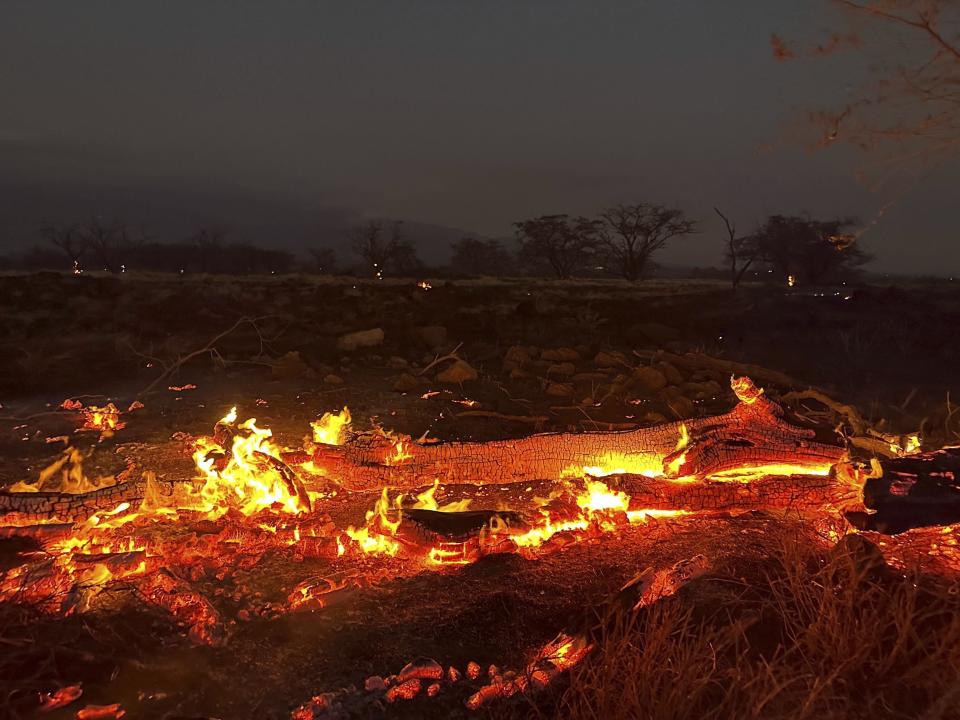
464 114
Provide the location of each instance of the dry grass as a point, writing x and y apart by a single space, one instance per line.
811 637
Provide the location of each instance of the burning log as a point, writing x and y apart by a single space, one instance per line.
24 508
753 434
803 493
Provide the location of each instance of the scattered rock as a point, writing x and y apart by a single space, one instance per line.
291 365
586 377
563 355
563 369
423 668
397 363
539 367
703 390
434 336
560 390
460 371
360 339
680 405
332 379
519 374
404 691
673 376
648 380
406 383
374 683
516 357
612 359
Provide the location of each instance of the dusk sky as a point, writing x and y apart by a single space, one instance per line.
465 114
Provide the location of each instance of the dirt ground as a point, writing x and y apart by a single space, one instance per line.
547 356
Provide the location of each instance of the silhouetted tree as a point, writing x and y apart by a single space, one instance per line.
208 241
812 251
110 244
324 260
382 255
631 234
69 240
910 101
479 257
741 252
566 245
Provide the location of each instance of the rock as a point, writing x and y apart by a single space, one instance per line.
564 354
702 391
290 365
460 371
658 333
422 668
397 363
433 336
374 683
404 691
332 379
560 390
586 377
406 383
360 339
564 369
648 380
673 376
654 418
516 357
539 367
681 406
612 359
518 374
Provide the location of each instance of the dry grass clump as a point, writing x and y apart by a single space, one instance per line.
813 636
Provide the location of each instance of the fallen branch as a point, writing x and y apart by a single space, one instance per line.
208 349
452 355
753 433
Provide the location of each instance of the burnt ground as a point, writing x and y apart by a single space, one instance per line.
889 350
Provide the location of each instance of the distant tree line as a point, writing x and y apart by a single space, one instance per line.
620 241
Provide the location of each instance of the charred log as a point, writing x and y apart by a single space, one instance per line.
37 507
800 493
754 433
915 491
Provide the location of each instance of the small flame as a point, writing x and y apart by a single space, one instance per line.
332 428
242 477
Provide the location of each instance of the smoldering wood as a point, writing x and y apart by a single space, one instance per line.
753 433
